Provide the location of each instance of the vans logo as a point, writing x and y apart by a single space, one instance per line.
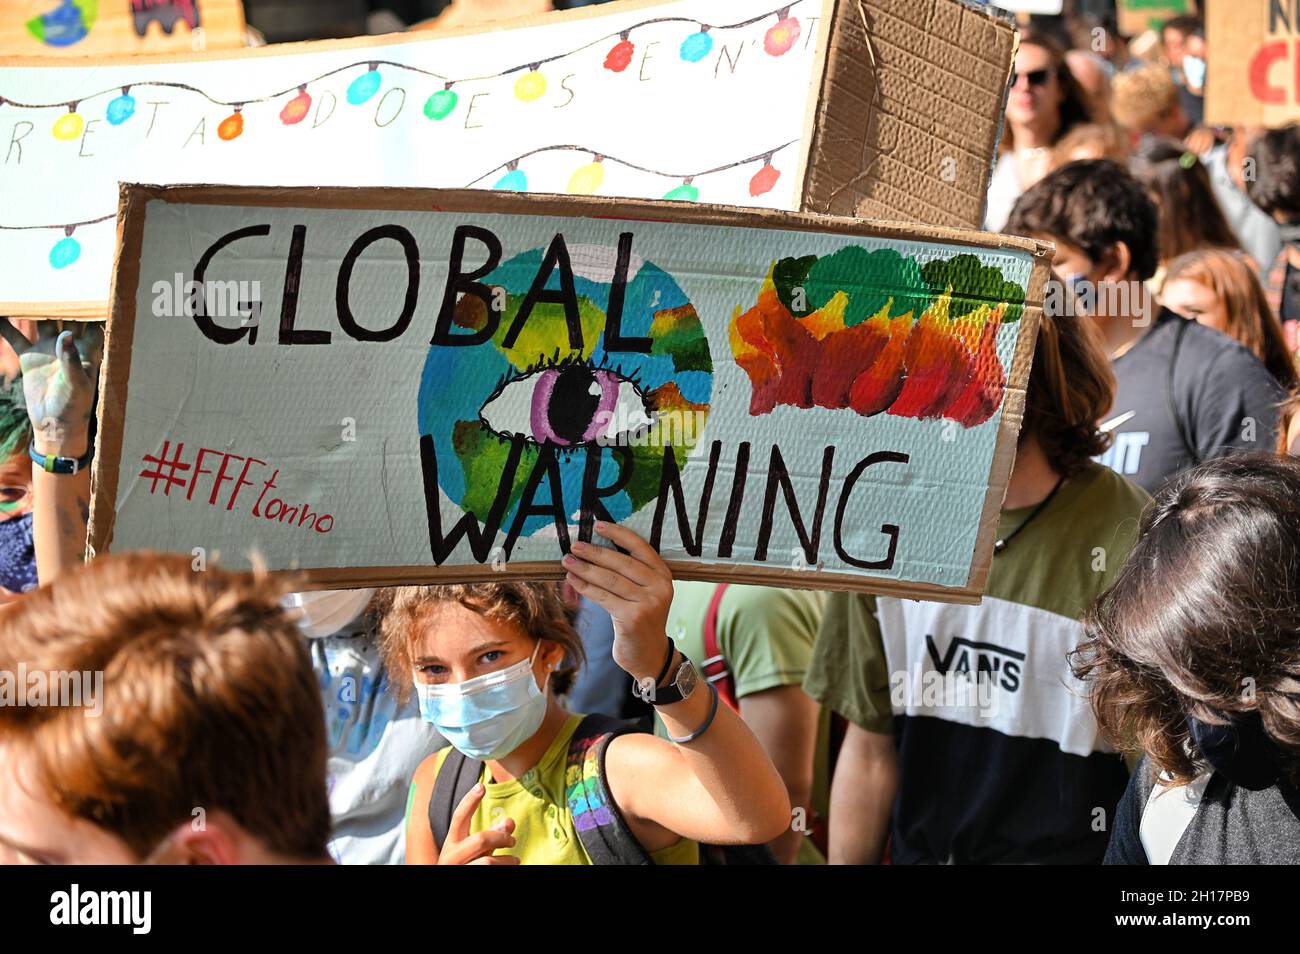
986 660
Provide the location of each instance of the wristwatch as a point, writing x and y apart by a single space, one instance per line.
680 687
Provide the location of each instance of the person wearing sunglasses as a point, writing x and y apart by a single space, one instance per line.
1044 104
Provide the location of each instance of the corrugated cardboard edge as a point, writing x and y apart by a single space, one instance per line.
131 221
1013 414
115 373
842 178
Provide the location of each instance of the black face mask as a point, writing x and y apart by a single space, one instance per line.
1240 750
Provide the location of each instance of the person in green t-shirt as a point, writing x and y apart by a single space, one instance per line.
765 635
969 738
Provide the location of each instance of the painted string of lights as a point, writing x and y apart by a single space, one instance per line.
529 86
586 180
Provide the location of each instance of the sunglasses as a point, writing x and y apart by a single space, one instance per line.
1035 77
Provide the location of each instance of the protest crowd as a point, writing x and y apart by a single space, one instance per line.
1136 654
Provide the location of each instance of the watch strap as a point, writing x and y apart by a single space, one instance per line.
649 695
667 695
52 464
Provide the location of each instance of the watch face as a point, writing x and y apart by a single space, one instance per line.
686 679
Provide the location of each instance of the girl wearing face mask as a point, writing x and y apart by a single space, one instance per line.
1193 659
488 663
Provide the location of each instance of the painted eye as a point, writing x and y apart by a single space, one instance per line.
570 404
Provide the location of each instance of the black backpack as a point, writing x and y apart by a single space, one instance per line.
600 825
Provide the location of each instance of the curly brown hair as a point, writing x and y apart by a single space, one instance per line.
539 609
1201 620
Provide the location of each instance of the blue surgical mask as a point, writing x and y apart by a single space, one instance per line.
489 716
1194 71
17 555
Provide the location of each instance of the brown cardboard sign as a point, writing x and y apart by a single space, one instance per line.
1254 78
881 108
383 386
118 27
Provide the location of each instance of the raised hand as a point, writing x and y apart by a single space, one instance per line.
59 374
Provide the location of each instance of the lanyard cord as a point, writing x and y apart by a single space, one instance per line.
1001 545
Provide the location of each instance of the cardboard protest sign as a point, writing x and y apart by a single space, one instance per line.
112 27
1134 17
398 385
1255 76
884 108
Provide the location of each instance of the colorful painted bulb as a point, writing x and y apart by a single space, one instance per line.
69 126
513 181
696 46
782 36
120 109
65 251
363 87
295 111
441 104
587 179
763 181
619 56
231 126
530 86
684 193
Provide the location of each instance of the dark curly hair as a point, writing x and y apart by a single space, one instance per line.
1204 617
1092 203
1275 187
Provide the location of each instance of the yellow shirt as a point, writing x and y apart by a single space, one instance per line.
544 830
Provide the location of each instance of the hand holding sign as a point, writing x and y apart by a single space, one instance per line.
635 588
59 374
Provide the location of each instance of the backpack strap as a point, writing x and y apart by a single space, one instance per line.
715 667
600 825
458 774
1170 402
